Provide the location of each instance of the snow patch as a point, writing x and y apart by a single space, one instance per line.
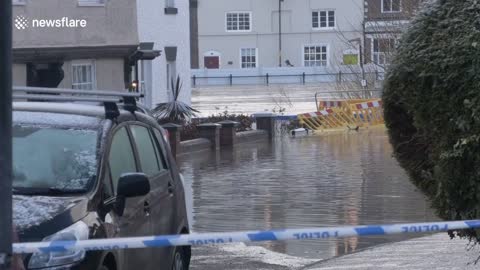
32 211
266 256
55 119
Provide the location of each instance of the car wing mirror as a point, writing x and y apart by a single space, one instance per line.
130 185
133 185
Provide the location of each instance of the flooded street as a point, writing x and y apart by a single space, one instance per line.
343 178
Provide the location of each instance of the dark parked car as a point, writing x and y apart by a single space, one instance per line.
92 171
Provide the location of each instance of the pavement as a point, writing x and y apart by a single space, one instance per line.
430 252
241 257
424 253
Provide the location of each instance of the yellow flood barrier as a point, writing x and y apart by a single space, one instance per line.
344 113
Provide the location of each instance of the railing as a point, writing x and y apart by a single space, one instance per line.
267 79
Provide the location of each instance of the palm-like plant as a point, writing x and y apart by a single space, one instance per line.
174 111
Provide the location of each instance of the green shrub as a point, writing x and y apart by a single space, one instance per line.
432 106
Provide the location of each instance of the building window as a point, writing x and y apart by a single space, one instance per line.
382 50
323 19
83 75
248 57
169 3
391 6
91 2
239 21
19 2
315 56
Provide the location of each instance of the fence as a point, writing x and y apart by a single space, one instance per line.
272 76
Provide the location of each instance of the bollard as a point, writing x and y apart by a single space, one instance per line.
228 133
211 132
266 121
174 131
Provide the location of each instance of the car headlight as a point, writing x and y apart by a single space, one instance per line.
78 231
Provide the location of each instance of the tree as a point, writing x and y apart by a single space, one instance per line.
432 107
378 34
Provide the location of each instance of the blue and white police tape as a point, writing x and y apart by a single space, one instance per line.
195 239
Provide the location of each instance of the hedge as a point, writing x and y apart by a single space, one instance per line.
432 106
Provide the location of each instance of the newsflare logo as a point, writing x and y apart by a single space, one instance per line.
21 23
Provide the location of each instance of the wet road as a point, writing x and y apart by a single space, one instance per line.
343 178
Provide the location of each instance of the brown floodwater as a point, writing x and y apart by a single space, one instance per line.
341 178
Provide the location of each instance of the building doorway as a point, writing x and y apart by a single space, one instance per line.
211 60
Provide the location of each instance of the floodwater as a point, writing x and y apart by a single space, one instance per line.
291 99
342 178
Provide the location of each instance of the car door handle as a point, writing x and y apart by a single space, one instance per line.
146 208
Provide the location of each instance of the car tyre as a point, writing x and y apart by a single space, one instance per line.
180 259
104 268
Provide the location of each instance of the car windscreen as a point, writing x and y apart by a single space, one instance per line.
53 159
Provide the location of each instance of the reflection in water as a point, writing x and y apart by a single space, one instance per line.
326 180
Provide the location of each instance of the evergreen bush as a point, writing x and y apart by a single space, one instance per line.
432 106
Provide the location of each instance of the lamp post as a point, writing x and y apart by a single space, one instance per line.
280 33
5 134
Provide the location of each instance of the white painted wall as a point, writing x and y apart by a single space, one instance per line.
297 29
165 30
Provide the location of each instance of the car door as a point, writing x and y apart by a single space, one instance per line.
161 190
136 219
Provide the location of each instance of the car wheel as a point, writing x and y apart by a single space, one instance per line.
103 268
179 259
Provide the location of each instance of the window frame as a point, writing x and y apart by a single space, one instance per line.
80 63
327 46
241 58
91 3
320 28
250 21
391 6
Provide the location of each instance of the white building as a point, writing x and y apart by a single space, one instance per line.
245 34
166 24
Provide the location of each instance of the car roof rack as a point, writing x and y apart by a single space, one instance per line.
109 98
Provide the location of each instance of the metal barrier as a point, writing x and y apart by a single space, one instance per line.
336 114
246 236
278 78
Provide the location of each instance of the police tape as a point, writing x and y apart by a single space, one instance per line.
196 239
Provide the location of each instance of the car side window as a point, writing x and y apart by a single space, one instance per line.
159 149
121 157
146 150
